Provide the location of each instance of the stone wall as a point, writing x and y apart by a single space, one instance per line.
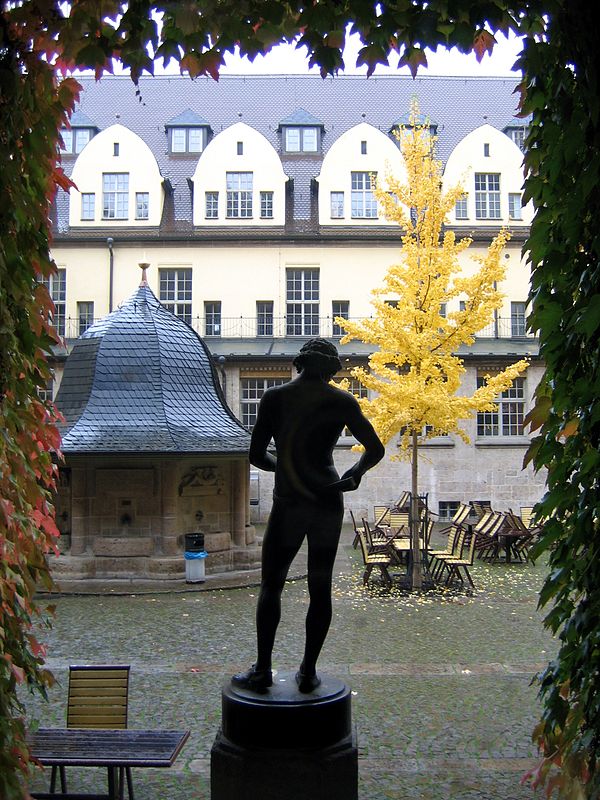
128 516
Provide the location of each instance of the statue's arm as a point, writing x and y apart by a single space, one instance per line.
262 433
374 451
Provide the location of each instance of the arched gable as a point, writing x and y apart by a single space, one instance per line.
345 196
240 179
489 165
117 181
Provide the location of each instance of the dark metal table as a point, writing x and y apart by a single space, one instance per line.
113 749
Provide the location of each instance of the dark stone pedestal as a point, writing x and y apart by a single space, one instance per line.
284 744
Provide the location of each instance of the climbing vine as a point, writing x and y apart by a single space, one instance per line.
42 42
32 108
561 90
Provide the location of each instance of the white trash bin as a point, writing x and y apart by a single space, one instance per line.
195 556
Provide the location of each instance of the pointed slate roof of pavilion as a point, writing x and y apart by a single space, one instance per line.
142 381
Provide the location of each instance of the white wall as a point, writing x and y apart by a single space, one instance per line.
135 158
258 157
468 157
344 157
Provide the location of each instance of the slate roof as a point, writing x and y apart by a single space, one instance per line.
142 381
81 120
187 118
458 105
301 117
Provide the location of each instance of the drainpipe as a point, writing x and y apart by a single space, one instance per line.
111 263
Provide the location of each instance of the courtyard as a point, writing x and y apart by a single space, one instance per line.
442 699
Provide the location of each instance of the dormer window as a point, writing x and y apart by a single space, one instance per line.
517 133
301 139
187 140
406 124
75 139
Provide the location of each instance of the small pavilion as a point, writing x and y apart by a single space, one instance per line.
151 451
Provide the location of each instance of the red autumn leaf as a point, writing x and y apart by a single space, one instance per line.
334 39
413 58
483 43
62 180
7 508
212 61
36 648
190 63
18 672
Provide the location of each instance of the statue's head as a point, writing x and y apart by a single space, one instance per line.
318 357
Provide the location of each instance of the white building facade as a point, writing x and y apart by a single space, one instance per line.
252 201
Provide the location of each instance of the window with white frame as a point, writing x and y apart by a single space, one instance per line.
337 205
264 318
46 392
142 205
302 139
339 308
251 392
518 318
187 140
515 208
75 140
57 289
175 292
88 206
266 205
212 318
239 195
302 306
461 210
487 195
518 136
211 205
507 420
363 203
85 316
115 195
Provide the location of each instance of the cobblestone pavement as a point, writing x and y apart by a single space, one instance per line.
442 701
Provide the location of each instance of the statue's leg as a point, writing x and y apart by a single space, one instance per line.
323 538
282 540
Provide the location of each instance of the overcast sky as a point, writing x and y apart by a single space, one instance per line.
285 59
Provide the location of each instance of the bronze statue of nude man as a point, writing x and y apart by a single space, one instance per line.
305 418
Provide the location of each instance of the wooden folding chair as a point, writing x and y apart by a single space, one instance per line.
402 502
381 515
459 518
481 529
376 539
523 536
399 523
454 565
97 698
371 559
355 541
454 549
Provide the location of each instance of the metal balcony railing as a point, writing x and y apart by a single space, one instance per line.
280 327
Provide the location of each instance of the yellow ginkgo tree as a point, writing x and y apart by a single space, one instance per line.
414 375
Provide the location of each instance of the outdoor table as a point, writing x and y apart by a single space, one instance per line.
506 540
110 748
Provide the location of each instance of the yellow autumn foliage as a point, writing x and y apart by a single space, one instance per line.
414 376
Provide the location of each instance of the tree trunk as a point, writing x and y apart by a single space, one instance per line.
417 573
